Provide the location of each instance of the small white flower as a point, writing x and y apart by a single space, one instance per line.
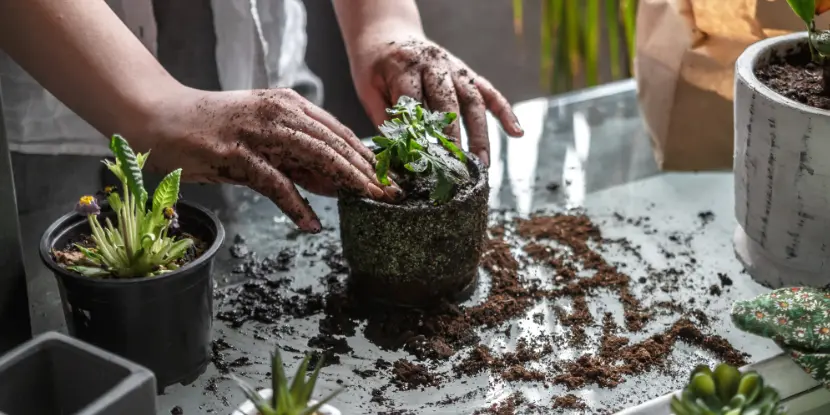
822 331
759 314
782 320
800 333
809 305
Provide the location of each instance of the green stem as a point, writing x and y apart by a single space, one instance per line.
101 241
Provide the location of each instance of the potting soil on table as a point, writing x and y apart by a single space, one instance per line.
548 270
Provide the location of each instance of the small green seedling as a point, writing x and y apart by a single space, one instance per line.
819 42
140 244
407 148
287 399
726 391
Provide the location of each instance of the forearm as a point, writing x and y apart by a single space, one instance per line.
83 54
361 19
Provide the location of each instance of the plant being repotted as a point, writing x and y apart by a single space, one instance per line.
726 391
782 126
56 374
284 398
424 248
134 272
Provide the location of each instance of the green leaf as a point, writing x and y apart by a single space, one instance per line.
115 201
382 142
279 384
393 129
443 189
727 379
312 380
382 167
417 166
750 385
252 395
93 272
178 249
313 409
452 148
94 257
129 167
167 193
298 384
702 385
805 9
142 158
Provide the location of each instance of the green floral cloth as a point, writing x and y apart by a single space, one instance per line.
797 319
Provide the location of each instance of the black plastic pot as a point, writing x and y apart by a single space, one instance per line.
416 255
164 322
56 374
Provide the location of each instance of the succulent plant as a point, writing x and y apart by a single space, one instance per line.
726 391
144 241
287 399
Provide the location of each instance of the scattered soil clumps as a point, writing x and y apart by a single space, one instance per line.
569 401
410 375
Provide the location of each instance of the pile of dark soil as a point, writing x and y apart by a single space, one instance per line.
796 77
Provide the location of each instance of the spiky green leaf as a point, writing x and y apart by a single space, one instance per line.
130 169
167 193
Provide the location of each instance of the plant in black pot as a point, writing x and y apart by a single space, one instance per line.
425 248
134 273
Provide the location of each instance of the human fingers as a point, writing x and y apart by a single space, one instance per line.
320 132
263 178
474 114
298 149
499 106
440 95
331 123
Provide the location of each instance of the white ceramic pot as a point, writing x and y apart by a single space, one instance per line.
248 407
782 177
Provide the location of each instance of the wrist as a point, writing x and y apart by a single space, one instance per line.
152 117
380 32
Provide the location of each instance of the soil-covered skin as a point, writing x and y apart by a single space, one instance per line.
71 255
570 247
796 77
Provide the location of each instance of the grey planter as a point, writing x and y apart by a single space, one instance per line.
56 374
782 174
416 255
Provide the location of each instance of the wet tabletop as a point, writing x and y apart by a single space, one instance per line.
587 150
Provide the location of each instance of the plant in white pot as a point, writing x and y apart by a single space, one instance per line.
782 155
284 398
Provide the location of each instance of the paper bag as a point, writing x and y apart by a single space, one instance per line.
684 65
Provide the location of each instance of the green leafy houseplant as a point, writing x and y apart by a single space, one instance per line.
410 144
819 43
726 391
141 243
573 34
287 399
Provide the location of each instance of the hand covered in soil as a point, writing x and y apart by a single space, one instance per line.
385 68
266 140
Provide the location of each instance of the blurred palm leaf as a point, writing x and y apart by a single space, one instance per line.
574 35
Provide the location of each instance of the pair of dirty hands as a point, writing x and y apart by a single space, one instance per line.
271 139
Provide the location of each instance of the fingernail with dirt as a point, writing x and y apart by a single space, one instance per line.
393 192
315 226
375 192
517 126
485 158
